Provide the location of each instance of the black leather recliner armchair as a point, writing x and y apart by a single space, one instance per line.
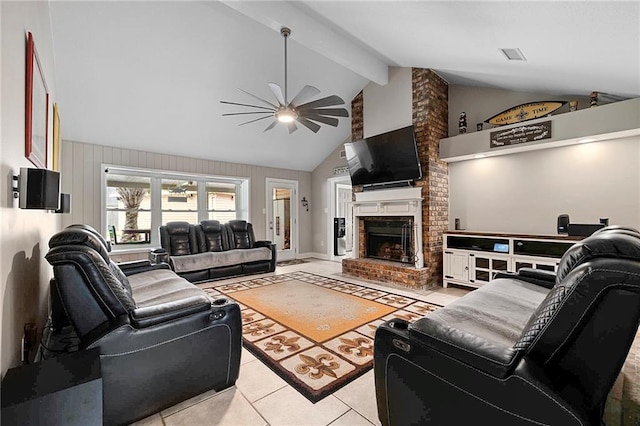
161 339
528 348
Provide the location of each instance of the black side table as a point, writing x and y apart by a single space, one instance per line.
66 390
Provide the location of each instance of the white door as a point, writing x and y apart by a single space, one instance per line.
282 216
344 208
340 205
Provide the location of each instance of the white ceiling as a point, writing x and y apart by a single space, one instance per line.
150 75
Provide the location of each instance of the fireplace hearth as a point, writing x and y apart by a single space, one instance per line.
389 239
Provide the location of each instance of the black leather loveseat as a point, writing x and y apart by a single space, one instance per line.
161 339
531 348
212 250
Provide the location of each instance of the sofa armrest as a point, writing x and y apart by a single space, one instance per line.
274 250
492 358
539 277
135 267
151 315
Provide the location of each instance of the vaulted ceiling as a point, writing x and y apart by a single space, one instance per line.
150 75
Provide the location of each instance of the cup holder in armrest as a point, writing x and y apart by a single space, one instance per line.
220 301
398 324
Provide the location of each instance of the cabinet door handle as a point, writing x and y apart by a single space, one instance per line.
448 252
448 276
472 255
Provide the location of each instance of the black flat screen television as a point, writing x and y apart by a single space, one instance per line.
386 158
39 189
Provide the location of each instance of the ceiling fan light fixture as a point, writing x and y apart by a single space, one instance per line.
286 115
300 109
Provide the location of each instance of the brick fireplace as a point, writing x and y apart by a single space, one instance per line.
426 204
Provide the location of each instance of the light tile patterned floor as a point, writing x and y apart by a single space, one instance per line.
261 397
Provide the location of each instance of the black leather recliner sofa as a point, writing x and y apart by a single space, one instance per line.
161 339
529 348
212 250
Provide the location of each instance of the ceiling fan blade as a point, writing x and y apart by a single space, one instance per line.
292 127
253 121
245 113
326 120
305 94
260 99
246 105
308 124
324 102
277 91
335 112
271 126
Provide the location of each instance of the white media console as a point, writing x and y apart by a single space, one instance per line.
472 258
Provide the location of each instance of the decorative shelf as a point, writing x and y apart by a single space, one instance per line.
612 121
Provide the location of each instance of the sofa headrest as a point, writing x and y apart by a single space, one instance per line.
177 228
107 243
613 242
79 237
238 225
211 226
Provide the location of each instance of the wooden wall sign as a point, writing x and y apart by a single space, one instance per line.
525 112
521 134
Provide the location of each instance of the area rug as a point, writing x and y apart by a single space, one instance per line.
313 331
291 262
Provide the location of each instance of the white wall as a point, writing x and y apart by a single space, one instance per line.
319 203
526 192
81 165
388 107
24 234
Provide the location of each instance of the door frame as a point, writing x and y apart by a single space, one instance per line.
332 183
295 241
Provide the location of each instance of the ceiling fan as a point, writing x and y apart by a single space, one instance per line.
295 110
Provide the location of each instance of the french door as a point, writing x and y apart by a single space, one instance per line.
282 216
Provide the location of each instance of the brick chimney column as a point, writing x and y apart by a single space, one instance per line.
430 120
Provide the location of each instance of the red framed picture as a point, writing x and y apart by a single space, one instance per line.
37 109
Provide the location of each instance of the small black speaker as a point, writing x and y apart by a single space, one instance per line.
563 224
65 203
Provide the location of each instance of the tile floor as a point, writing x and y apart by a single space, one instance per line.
261 397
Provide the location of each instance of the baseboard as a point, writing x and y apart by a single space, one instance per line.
321 256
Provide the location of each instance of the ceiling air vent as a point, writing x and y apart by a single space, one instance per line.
343 154
513 54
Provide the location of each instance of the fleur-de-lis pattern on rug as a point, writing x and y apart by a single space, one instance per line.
394 300
278 342
228 288
248 316
317 340
257 329
359 346
315 367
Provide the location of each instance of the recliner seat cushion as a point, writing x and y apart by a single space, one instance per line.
497 312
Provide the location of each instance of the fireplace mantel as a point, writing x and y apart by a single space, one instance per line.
392 202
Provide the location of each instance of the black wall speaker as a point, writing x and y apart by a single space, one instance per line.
65 203
563 224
